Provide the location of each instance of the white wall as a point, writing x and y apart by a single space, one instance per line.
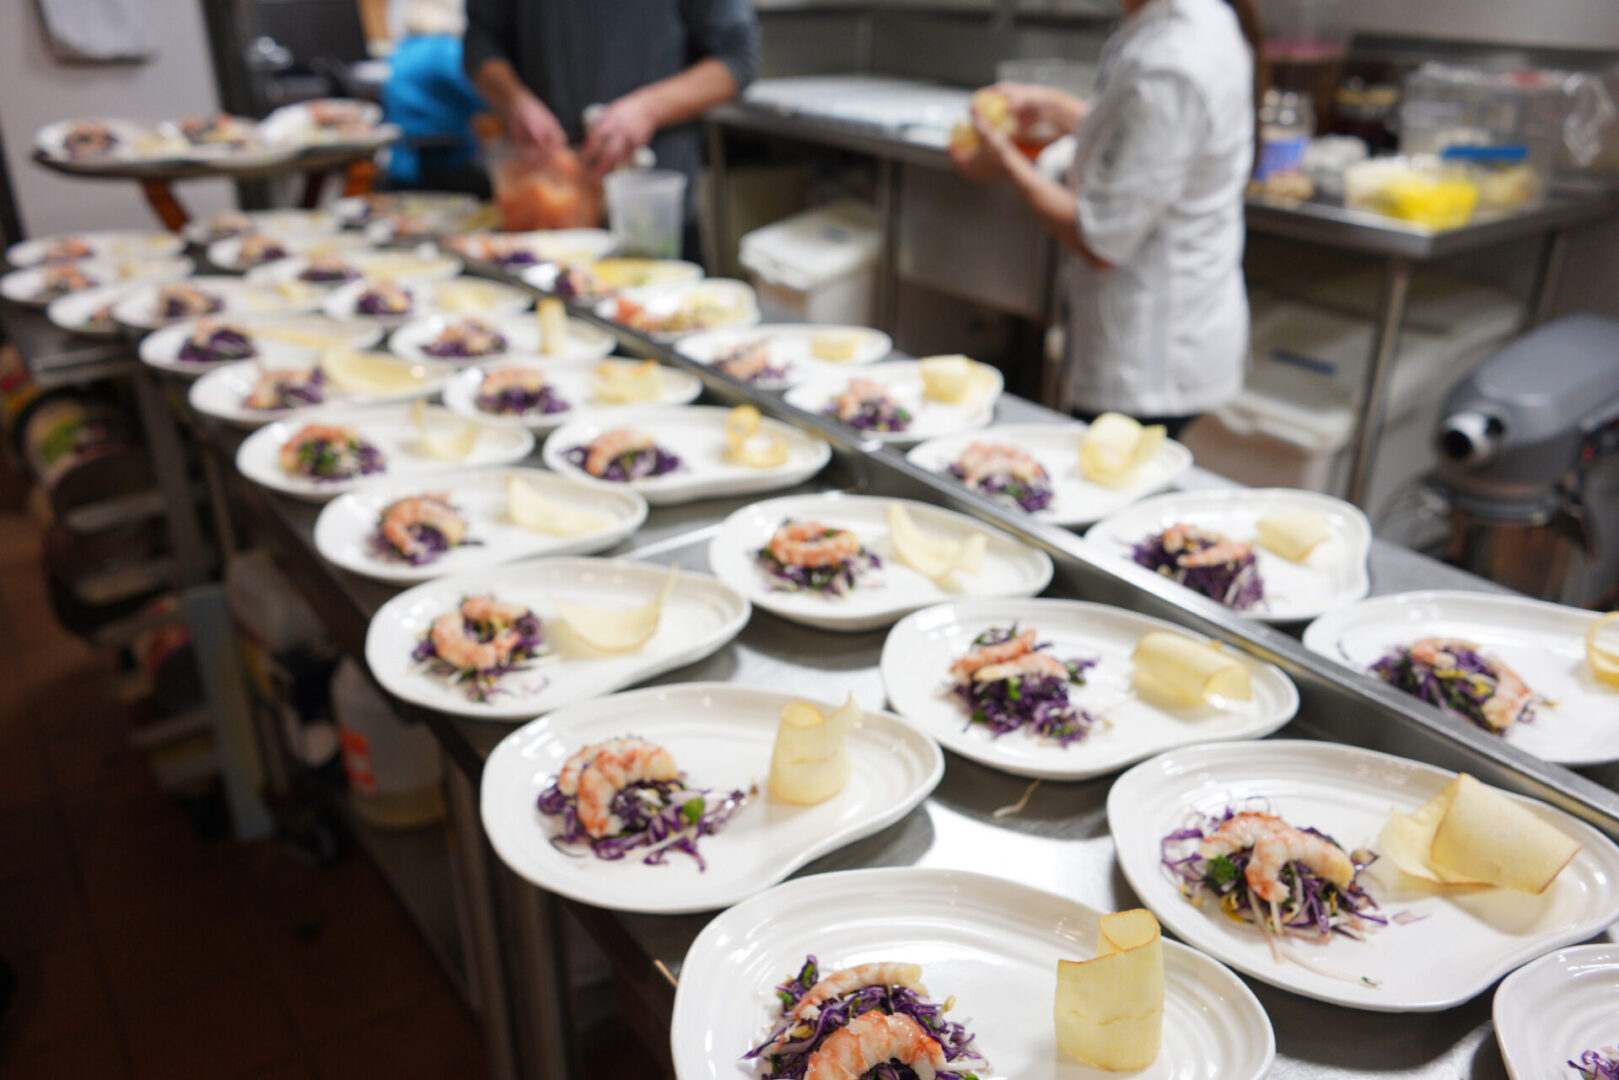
1584 24
35 89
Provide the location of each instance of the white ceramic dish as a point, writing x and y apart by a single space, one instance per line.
1075 500
721 735
922 646
258 153
23 286
75 311
226 254
345 527
139 309
791 348
701 616
285 224
391 430
929 419
220 392
1555 1009
574 381
884 595
696 434
655 273
736 299
282 341
114 245
1334 575
466 296
1544 643
295 124
1465 939
586 341
990 943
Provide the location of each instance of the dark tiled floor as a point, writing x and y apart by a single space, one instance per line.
144 952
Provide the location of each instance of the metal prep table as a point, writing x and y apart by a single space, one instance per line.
1060 842
1398 245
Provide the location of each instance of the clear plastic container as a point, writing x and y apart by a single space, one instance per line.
1305 44
646 211
553 192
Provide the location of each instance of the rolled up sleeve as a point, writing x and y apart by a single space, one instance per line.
1143 157
727 31
489 28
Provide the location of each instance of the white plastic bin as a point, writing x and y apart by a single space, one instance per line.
393 767
820 265
1293 421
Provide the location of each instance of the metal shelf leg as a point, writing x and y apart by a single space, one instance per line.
1379 368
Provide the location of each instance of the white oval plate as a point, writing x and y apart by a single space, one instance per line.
722 736
114 245
586 341
576 383
161 348
1544 643
482 299
929 419
139 308
702 615
666 271
345 526
1011 568
219 393
1075 500
695 433
1333 576
1464 941
74 311
922 646
990 943
285 224
561 247
227 255
661 301
390 429
293 124
22 286
790 348
1555 1009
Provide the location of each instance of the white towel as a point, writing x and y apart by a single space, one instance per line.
96 31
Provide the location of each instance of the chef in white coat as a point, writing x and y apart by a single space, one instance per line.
1151 216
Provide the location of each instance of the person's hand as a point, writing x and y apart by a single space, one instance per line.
994 156
626 126
1041 111
532 127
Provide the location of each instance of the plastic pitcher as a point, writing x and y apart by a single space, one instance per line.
646 211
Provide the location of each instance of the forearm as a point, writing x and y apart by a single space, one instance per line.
497 81
689 94
1054 206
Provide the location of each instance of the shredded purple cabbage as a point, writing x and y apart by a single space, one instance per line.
181 302
295 393
874 414
1461 691
480 682
328 462
433 544
1236 584
517 401
514 257
799 1040
835 579
740 363
1036 702
1029 495
1597 1065
465 340
222 344
630 465
328 273
1316 908
659 816
378 302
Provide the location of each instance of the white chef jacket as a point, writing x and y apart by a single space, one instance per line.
1159 170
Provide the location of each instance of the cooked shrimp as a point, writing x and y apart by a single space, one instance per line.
312 433
985 655
872 1039
1275 843
568 779
1512 696
1028 664
401 519
811 544
856 394
981 460
1202 547
613 770
850 979
487 609
513 378
746 362
266 392
458 645
610 445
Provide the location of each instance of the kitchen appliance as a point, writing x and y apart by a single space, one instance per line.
1528 481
